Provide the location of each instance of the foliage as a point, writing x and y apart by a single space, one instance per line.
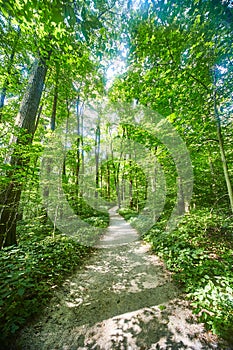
87 213
42 259
179 64
128 172
31 271
127 213
200 253
174 51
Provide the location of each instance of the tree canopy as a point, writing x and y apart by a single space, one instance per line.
119 140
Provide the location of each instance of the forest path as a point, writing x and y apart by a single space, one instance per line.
123 298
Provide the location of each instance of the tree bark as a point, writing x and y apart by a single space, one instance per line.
97 156
224 163
78 152
82 148
54 108
221 146
26 122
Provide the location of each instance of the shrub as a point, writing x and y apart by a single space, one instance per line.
29 273
199 252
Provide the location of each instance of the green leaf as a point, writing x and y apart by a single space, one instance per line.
21 291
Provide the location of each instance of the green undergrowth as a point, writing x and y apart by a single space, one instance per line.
85 212
29 274
128 214
40 262
199 252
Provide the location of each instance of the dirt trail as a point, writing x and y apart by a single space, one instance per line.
123 298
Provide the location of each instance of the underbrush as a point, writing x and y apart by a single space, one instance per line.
29 273
127 213
94 217
199 252
39 263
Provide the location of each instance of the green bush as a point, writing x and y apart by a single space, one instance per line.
29 273
127 213
200 253
98 221
40 263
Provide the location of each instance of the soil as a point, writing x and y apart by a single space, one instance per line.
122 298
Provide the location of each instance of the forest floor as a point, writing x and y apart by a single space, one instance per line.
122 298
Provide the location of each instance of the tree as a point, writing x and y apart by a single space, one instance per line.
53 33
26 121
173 52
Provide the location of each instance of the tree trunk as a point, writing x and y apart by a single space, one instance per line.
224 163
26 122
221 146
130 183
64 160
108 187
82 145
97 156
136 189
123 181
54 108
78 152
118 168
181 197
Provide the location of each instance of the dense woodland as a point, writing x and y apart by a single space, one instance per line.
60 75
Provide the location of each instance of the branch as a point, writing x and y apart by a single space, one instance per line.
102 13
168 46
208 140
198 80
4 134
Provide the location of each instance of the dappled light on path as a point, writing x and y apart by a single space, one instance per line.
123 298
119 232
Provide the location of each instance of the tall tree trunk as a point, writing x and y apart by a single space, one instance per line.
54 108
108 187
26 122
78 142
82 146
118 167
136 189
224 163
67 130
97 156
130 183
221 146
123 186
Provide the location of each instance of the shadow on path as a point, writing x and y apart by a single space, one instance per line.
122 299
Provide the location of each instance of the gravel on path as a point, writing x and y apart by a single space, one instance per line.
123 298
